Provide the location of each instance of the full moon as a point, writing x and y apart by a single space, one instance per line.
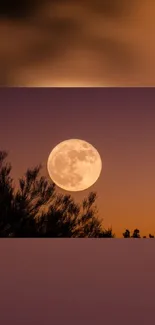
74 165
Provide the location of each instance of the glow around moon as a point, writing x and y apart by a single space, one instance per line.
74 165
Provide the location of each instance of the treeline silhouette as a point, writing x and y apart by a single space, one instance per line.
135 234
36 209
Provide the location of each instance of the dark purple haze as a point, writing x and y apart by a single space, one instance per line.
66 282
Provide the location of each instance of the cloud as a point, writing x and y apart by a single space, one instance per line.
52 43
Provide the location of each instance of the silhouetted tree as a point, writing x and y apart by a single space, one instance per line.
33 195
36 210
126 234
136 233
151 236
107 233
65 218
6 195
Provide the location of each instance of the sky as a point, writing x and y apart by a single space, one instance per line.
77 43
77 281
118 122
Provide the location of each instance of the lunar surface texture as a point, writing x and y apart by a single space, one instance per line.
74 165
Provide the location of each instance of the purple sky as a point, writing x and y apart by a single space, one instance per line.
77 282
119 122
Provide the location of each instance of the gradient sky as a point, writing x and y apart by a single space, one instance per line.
119 122
73 281
77 43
